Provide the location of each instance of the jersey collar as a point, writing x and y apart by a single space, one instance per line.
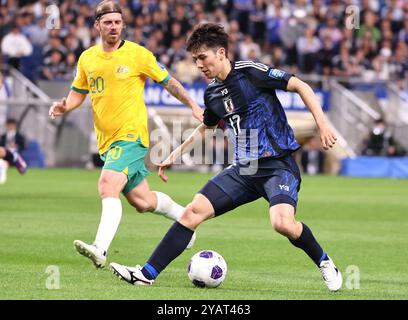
232 72
108 55
229 75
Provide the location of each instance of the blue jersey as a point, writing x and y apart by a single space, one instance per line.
246 100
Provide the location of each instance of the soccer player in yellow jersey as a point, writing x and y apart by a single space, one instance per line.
113 73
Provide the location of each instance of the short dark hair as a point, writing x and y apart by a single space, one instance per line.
11 121
211 35
107 6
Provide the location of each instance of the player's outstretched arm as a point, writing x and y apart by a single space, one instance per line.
196 135
73 101
176 89
327 137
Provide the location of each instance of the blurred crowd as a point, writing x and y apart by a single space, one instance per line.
366 38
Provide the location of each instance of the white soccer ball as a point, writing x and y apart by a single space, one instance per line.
207 268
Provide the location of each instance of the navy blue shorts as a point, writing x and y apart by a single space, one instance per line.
276 180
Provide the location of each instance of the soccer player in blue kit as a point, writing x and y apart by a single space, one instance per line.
243 94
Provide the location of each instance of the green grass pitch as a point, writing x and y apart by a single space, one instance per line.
361 223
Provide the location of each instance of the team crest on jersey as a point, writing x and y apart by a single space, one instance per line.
122 72
228 105
122 69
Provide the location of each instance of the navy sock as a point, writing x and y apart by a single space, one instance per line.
308 244
172 245
149 271
9 156
323 257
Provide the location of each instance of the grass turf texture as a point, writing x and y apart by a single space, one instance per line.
361 223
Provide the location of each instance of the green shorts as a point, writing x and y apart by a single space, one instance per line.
127 157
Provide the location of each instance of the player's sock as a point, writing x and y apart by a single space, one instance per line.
10 156
172 245
308 244
167 207
149 271
323 257
110 219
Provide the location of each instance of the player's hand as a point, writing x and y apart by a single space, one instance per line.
58 108
198 113
328 138
162 166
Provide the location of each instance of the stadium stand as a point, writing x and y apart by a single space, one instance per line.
33 155
355 59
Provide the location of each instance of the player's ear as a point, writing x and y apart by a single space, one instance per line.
221 53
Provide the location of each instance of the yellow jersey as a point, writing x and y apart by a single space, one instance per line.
115 82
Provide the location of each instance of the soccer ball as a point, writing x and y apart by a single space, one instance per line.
207 269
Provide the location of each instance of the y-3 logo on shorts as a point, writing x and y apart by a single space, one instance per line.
284 187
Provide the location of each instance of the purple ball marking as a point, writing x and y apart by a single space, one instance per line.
216 272
206 254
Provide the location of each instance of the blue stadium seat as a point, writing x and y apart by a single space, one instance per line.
33 155
31 66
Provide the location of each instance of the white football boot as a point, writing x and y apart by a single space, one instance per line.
192 241
132 275
331 275
97 255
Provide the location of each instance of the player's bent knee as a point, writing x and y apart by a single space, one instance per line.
105 191
283 226
192 217
283 220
